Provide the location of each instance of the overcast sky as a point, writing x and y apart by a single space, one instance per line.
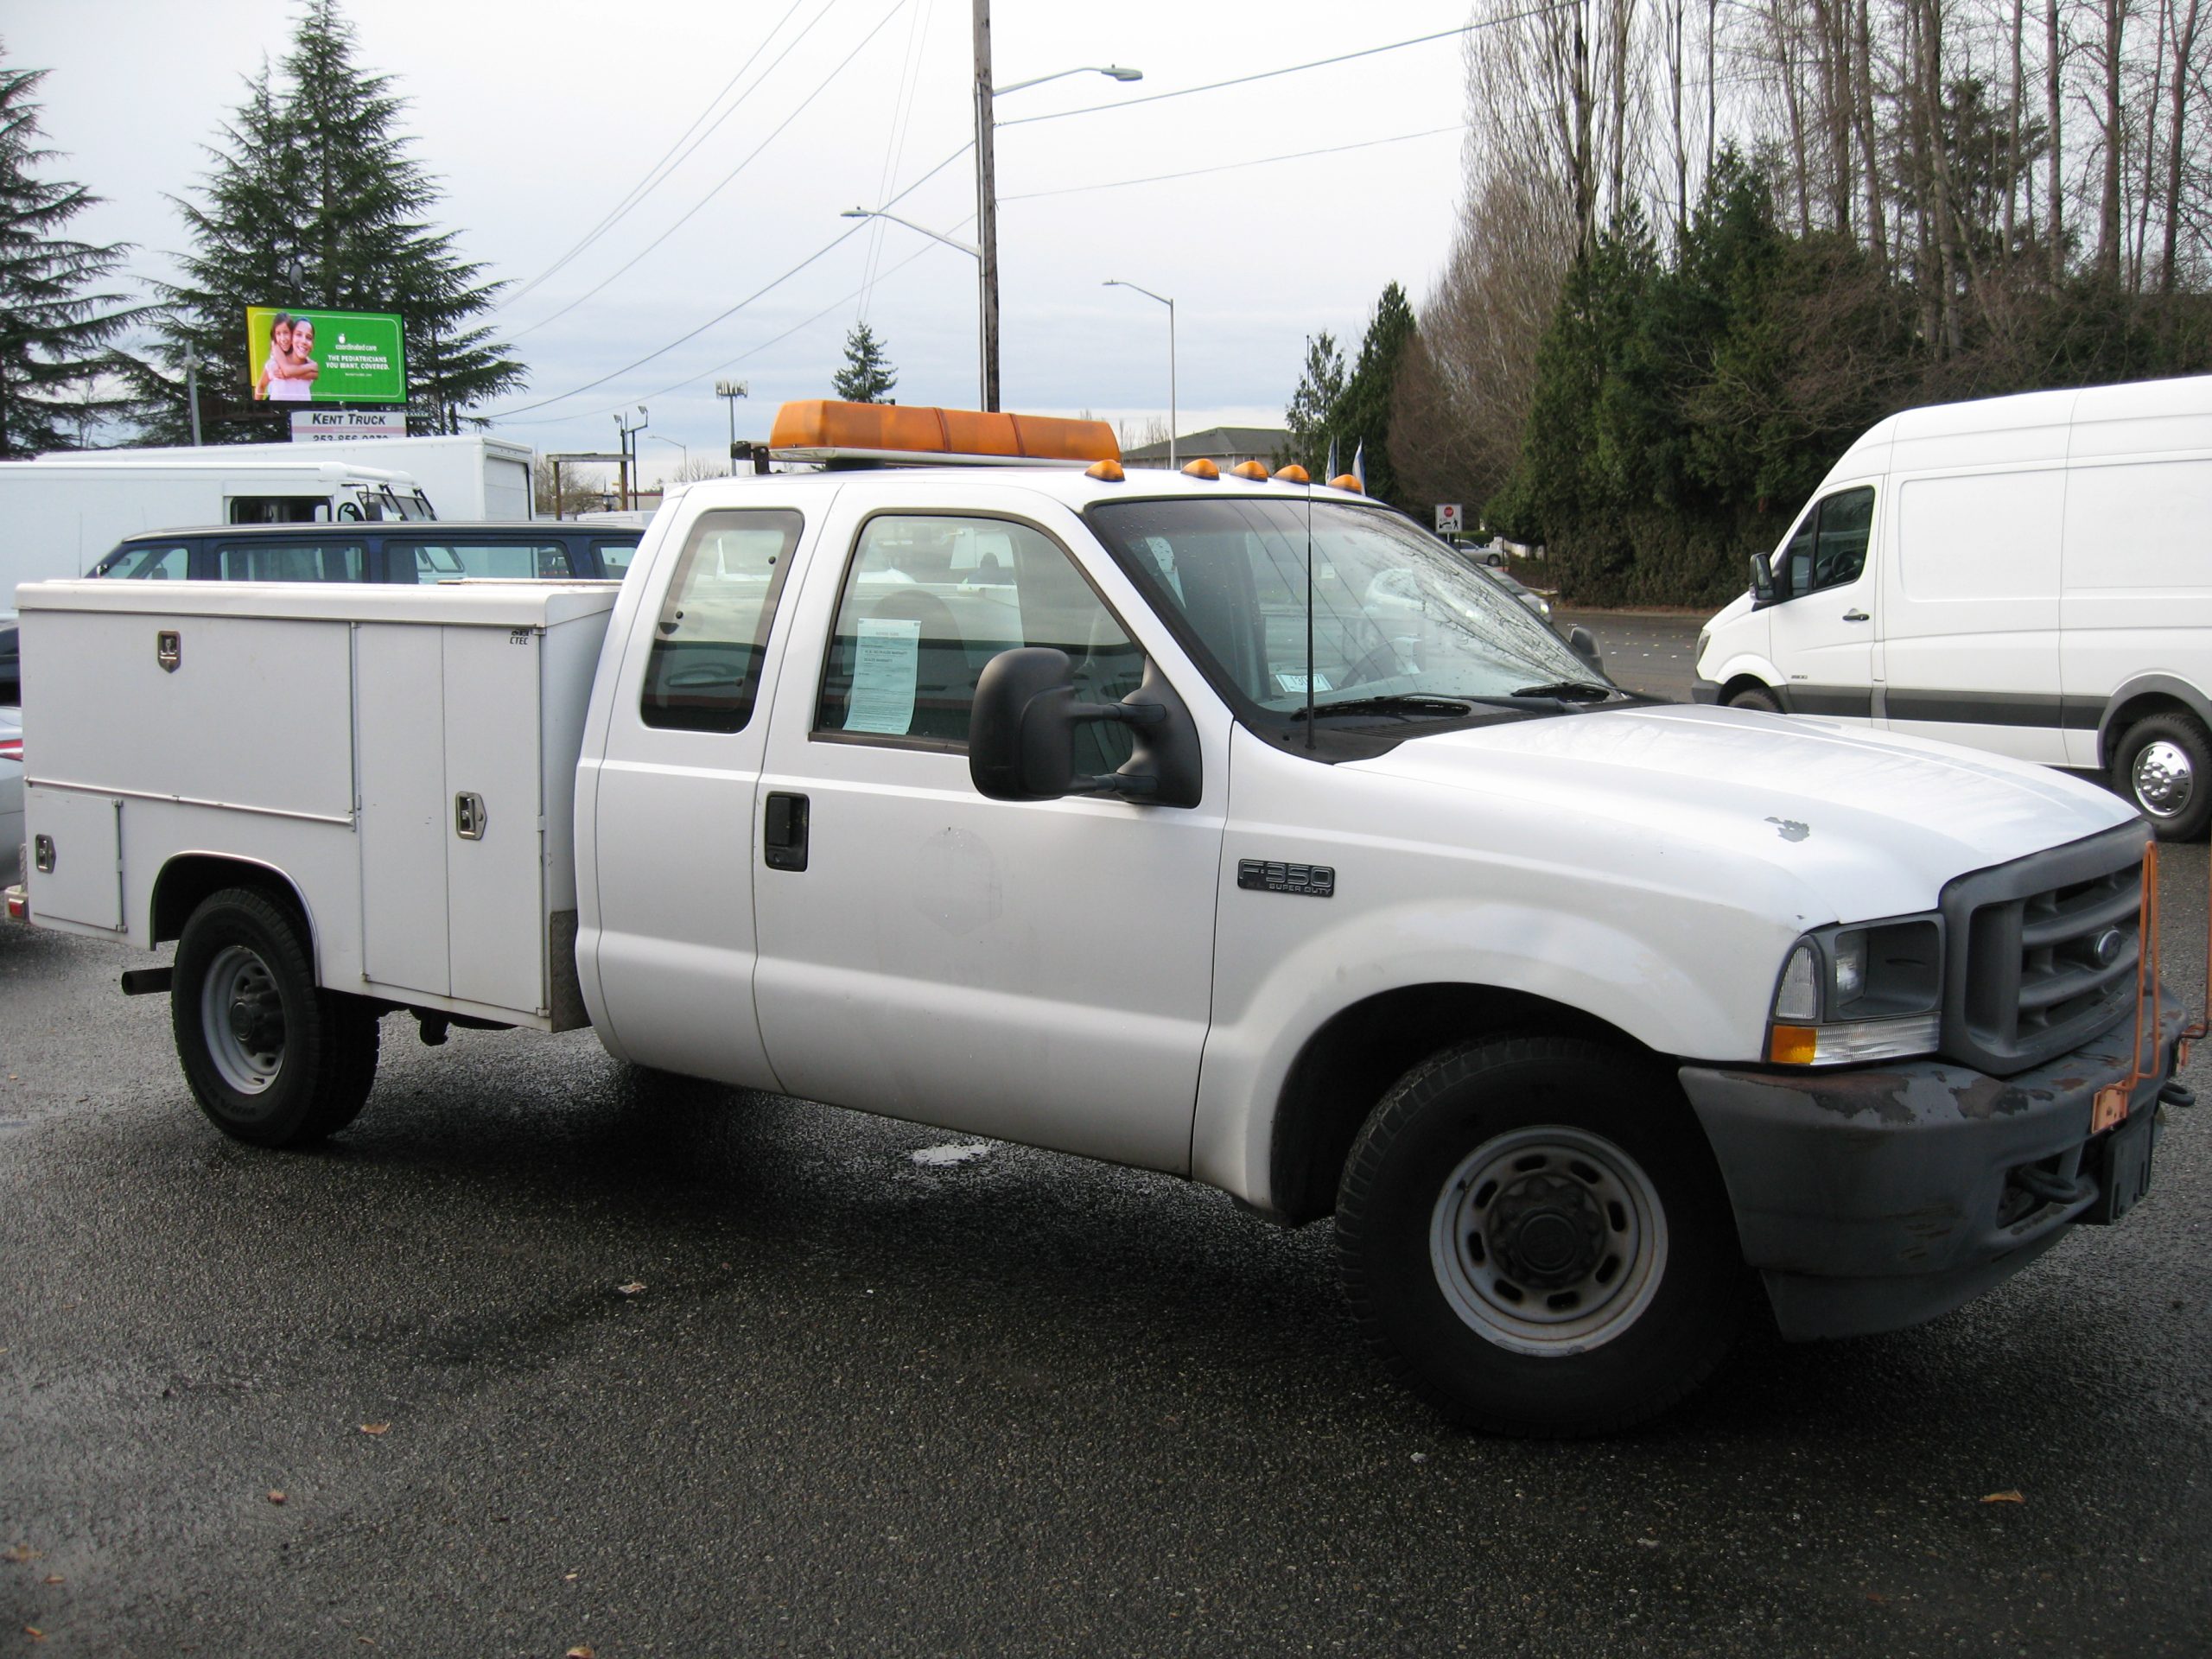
539 118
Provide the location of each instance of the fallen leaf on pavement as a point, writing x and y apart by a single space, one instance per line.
578 1652
55 1578
2005 1497
376 1428
19 1553
34 1632
630 1289
275 1496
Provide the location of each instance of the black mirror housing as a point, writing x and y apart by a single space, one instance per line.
1021 734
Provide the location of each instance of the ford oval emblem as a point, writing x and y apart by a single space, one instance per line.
2109 943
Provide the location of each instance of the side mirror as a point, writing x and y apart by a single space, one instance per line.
1021 734
1584 644
1763 587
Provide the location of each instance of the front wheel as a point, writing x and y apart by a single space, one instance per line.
1535 1236
1756 697
272 1058
2163 765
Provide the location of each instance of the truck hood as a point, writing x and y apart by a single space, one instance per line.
1865 825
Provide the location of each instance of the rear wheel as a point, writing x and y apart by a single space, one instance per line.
1756 697
272 1058
2164 765
1535 1239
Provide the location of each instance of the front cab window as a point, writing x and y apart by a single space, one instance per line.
1829 547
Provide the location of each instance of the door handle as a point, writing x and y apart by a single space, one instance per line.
782 832
469 816
1857 616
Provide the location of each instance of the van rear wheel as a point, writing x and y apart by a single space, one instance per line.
2163 765
1535 1238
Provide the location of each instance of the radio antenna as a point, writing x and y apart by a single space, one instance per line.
1309 612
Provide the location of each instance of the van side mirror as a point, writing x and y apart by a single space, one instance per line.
1584 644
1763 589
1021 734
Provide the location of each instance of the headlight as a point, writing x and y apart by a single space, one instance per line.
1704 639
1864 991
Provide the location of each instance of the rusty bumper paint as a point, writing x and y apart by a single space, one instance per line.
1873 1199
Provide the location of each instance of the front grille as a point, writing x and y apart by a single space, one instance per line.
2026 979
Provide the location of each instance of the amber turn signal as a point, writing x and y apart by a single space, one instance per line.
1791 1045
1202 468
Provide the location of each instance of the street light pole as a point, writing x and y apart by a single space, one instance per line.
192 391
731 390
1116 281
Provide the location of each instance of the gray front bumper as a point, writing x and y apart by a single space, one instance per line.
1872 1200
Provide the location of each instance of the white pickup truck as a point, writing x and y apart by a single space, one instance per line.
1164 820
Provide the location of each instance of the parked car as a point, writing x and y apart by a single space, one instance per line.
11 793
404 553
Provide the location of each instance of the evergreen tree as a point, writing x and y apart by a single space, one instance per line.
313 201
1361 416
1313 403
52 329
867 376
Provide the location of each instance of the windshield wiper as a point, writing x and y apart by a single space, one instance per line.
1571 691
1395 702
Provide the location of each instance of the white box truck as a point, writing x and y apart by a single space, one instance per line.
58 517
2030 575
471 476
1148 818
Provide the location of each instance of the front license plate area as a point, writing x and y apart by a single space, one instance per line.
2127 1174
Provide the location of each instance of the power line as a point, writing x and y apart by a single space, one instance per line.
898 6
655 174
1295 69
1231 167
857 227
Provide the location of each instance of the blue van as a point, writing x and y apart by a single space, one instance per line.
404 551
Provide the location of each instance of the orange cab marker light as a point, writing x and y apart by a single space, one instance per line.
1346 481
1252 469
1106 472
1792 1044
1201 468
1294 473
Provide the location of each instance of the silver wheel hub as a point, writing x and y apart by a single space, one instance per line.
2163 778
243 1019
1548 1240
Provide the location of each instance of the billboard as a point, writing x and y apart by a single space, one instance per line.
325 357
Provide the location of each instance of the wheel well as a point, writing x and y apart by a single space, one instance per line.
1744 683
185 883
2141 706
1345 1067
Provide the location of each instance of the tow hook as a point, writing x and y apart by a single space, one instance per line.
2177 1093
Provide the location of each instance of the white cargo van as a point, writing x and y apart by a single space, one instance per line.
470 476
58 517
2030 575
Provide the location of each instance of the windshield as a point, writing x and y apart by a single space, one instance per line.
1399 622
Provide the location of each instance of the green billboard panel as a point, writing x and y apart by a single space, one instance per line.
326 357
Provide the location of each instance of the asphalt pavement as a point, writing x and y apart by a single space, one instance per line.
545 1353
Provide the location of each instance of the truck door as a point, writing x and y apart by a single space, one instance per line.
673 822
1036 970
1823 635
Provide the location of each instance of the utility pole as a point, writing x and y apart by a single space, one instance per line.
987 205
192 391
630 452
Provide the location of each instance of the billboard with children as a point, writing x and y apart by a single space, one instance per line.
325 357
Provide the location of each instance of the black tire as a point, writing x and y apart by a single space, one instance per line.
1637 1341
1756 697
2162 767
272 1059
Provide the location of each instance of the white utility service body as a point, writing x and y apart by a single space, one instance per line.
1568 1004
469 476
59 514
2030 575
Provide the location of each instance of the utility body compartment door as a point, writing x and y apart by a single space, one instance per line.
1037 971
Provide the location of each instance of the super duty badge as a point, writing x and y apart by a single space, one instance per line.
1265 875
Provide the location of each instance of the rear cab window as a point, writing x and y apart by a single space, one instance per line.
702 673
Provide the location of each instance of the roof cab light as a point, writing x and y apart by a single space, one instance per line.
1255 470
1294 473
1106 472
1201 468
1864 992
1346 481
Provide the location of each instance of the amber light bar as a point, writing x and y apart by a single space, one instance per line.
823 429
